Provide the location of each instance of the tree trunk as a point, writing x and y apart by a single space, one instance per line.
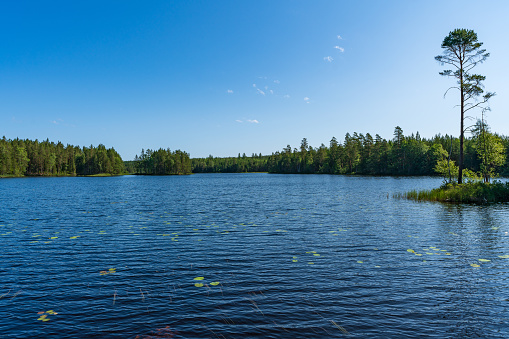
462 91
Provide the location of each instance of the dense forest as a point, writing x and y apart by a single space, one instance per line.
358 154
160 162
33 158
239 164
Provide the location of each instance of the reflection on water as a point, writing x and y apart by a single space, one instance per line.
247 255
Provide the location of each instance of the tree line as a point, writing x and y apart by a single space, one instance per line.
364 154
239 164
34 158
160 162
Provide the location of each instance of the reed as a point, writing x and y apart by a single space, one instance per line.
475 192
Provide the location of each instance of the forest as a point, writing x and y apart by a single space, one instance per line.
160 162
33 158
360 154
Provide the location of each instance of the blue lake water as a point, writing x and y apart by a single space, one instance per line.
281 256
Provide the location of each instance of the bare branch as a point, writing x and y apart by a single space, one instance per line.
449 89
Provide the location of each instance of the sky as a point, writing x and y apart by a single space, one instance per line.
227 77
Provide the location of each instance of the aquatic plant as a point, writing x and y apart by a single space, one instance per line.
475 192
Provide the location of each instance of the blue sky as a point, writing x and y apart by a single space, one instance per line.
228 77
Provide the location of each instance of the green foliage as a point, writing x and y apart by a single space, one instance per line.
446 169
160 162
474 192
244 164
463 52
34 158
490 150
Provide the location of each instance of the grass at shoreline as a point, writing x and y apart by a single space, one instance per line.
477 192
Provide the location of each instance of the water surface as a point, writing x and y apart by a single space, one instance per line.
281 256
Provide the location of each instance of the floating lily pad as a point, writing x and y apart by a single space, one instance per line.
504 256
198 285
214 283
410 250
199 278
475 265
294 260
360 261
316 254
484 260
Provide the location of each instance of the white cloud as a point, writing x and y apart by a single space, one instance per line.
253 121
306 99
254 85
286 96
229 91
260 91
339 37
341 49
328 58
271 91
276 81
54 122
239 121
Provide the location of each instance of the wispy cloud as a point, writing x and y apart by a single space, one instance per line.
328 58
339 37
60 122
240 121
253 121
260 91
229 91
276 81
306 99
341 49
286 96
254 85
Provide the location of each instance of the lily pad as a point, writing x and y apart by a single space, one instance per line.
214 283
504 256
410 250
199 278
484 260
198 285
475 265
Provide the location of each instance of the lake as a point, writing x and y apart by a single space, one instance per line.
248 256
